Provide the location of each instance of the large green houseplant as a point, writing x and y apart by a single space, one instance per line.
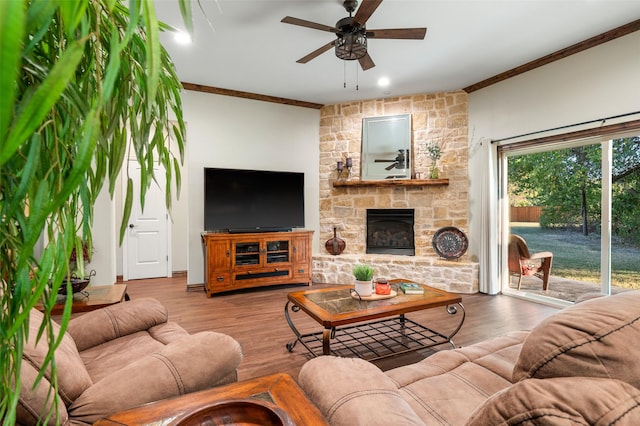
84 84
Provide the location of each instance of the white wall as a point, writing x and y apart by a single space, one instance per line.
104 239
601 82
230 132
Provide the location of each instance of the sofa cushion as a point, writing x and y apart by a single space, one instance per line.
445 387
595 338
346 389
113 355
193 363
562 401
114 321
103 360
73 377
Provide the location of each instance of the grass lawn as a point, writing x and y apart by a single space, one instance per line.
577 257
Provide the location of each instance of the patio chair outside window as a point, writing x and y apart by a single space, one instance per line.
523 263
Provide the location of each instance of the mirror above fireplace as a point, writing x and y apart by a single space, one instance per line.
386 147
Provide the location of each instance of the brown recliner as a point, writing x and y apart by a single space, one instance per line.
120 357
523 263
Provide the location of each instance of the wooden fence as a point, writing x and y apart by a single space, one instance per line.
525 214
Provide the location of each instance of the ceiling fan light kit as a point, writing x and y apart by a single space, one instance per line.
351 33
351 47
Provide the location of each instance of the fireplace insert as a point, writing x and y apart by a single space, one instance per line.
390 231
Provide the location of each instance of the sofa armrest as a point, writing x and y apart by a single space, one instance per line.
121 319
195 362
345 389
561 400
37 402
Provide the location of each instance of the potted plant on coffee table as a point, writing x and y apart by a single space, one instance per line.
363 274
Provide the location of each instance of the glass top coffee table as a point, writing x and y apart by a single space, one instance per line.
370 329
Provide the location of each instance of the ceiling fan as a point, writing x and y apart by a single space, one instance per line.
352 35
400 162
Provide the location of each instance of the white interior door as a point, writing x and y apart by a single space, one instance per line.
147 241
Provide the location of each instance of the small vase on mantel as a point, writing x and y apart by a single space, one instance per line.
335 245
434 172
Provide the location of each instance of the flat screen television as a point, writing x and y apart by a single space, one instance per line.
238 200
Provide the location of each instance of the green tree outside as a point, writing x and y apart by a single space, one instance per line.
567 183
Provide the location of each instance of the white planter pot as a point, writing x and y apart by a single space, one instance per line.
364 288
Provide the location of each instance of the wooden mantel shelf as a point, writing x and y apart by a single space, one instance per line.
391 182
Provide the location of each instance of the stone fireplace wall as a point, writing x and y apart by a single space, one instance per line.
440 118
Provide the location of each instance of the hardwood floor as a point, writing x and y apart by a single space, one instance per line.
256 319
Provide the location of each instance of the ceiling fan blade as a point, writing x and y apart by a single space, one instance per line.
366 62
366 9
316 52
399 33
392 166
308 24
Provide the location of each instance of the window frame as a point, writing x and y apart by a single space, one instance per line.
505 149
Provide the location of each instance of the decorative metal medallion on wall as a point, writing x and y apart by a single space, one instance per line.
450 242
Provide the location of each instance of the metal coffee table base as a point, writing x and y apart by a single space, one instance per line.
373 340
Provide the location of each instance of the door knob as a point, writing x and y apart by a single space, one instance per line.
131 225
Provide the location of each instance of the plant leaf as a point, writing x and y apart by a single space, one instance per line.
12 28
35 109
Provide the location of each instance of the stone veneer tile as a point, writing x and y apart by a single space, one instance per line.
459 276
439 117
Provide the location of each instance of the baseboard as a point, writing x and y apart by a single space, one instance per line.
195 287
174 274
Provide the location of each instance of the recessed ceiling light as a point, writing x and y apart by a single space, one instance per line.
383 82
182 37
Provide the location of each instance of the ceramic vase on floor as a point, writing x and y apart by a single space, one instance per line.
335 245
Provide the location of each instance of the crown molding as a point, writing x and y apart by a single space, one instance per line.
249 95
557 55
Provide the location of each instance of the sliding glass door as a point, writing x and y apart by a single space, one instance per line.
573 204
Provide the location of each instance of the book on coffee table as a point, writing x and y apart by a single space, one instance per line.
411 288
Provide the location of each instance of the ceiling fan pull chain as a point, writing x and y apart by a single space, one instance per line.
344 74
357 81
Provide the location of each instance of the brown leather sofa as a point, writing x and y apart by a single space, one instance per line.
579 366
120 357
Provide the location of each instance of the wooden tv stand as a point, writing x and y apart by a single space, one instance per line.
237 261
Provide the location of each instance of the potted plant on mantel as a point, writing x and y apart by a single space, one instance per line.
435 152
363 274
83 83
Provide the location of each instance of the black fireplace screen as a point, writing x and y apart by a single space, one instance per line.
390 231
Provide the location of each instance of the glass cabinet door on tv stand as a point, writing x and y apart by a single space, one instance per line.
247 253
277 251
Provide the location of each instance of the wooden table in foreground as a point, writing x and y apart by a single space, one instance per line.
369 329
91 298
279 389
